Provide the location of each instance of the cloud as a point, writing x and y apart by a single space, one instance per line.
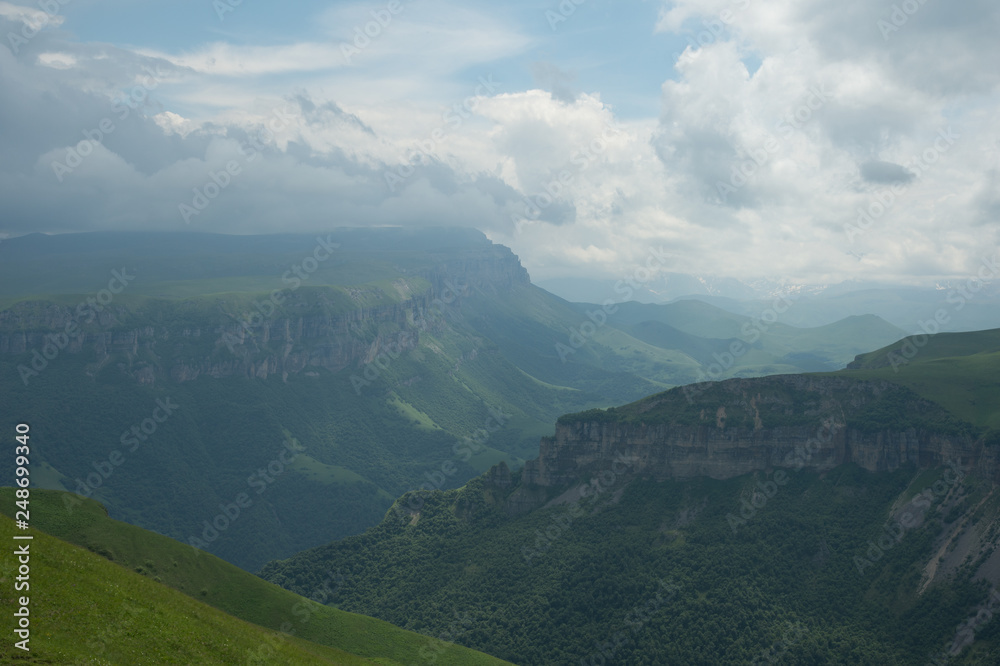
223 59
847 113
29 17
549 77
779 124
877 171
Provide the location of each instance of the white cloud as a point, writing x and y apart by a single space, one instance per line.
808 98
34 19
223 59
57 60
881 108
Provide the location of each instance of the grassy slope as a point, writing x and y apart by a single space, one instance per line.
207 579
529 324
87 610
943 345
959 371
956 371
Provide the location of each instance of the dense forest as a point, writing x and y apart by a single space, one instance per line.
673 572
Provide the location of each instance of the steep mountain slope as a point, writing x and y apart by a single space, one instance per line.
342 397
957 370
84 609
335 372
125 612
844 518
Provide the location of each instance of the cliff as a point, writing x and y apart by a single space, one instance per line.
735 427
249 335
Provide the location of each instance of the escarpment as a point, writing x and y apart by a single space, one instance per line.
730 428
285 331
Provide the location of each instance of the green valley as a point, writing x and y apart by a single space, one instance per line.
865 534
316 379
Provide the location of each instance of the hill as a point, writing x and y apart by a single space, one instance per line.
139 597
337 372
842 518
85 609
957 370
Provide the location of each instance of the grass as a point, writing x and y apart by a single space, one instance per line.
205 578
956 370
331 475
411 413
87 610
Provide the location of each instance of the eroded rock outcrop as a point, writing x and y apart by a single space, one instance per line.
252 336
735 427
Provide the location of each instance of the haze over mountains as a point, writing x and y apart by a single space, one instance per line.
371 362
393 408
973 304
569 333
838 518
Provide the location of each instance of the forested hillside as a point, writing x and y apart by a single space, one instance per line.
612 546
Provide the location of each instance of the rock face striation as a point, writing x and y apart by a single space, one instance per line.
739 426
253 338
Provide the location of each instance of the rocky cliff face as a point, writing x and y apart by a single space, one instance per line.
744 425
259 341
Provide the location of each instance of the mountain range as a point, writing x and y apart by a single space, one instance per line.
439 460
341 370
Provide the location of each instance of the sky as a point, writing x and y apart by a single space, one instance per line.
809 140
